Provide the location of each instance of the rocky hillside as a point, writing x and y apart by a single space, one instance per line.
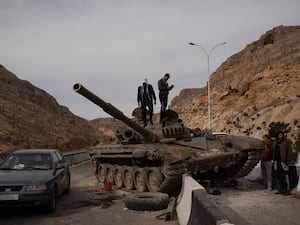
107 127
251 89
31 118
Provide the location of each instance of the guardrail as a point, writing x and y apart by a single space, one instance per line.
75 157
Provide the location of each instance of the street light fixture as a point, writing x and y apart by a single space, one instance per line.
208 72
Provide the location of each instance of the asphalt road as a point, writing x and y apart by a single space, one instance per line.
87 204
252 204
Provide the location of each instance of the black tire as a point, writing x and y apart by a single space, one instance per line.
140 180
147 201
51 205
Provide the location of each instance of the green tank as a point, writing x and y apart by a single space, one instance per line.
154 158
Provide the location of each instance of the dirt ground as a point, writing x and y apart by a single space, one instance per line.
252 204
88 204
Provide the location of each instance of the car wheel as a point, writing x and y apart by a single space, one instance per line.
51 205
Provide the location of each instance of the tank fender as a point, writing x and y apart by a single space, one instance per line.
140 154
244 143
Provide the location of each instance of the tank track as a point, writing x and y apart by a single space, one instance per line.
252 159
173 172
173 178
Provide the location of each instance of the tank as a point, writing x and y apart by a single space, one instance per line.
154 158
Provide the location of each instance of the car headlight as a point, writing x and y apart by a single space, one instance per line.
42 187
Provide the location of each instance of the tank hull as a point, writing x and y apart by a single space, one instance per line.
221 159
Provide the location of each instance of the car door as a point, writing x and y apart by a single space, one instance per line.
62 173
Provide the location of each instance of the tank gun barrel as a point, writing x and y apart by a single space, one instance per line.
114 112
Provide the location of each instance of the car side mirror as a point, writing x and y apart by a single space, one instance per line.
60 166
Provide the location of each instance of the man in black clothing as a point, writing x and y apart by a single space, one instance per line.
281 157
164 89
146 97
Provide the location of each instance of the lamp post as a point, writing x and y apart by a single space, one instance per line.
208 72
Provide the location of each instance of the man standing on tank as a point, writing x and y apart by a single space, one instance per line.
164 89
146 97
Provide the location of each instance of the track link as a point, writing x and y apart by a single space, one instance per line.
252 159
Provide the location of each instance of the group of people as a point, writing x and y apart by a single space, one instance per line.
277 170
146 97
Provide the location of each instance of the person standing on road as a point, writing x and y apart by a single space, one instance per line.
266 162
293 174
145 98
164 89
281 157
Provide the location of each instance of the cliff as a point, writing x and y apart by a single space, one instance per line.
251 89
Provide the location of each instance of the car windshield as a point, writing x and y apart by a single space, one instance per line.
33 161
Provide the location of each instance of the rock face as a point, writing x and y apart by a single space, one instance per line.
31 118
251 89
107 127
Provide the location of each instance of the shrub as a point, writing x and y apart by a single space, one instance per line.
275 127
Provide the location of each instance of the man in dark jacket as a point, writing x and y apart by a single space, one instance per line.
164 89
146 97
281 157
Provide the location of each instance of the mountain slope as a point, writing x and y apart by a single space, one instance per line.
251 89
31 118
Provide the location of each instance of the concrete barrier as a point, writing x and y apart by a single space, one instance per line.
76 157
194 208
204 212
184 201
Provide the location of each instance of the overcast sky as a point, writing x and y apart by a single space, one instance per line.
111 46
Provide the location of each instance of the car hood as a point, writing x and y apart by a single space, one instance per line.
24 177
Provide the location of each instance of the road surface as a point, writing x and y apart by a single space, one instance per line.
87 204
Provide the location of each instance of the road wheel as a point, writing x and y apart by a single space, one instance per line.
140 180
128 178
118 176
154 179
102 171
110 173
51 205
148 201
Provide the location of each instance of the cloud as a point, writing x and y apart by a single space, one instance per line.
110 46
